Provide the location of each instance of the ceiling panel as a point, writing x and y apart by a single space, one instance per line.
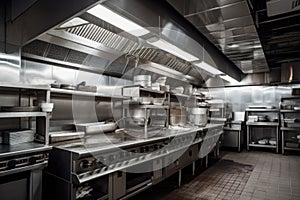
230 26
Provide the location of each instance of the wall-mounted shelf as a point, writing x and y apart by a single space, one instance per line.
153 107
24 86
22 114
83 93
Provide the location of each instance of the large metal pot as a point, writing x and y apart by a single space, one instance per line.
143 80
199 116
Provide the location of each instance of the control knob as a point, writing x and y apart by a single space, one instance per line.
32 160
85 164
11 164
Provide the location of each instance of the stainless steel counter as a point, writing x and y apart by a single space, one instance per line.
24 148
105 142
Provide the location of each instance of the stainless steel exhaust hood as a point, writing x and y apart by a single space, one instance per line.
75 46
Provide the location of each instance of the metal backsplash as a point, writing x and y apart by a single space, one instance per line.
10 65
242 97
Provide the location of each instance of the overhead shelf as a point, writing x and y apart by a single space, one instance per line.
290 111
24 86
154 107
22 114
262 110
262 123
84 93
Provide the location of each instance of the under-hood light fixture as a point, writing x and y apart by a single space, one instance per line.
168 47
117 20
210 69
74 22
229 79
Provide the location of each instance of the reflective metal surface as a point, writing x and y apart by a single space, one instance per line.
10 65
240 98
229 25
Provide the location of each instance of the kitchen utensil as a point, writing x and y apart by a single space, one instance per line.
65 135
263 118
263 141
68 87
96 127
273 141
47 107
55 85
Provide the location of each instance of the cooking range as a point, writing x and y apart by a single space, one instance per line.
21 170
87 170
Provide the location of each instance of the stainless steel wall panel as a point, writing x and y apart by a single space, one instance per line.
64 75
242 97
33 70
10 65
89 78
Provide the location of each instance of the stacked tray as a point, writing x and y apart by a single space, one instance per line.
13 137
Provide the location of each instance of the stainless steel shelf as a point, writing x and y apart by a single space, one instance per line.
290 111
22 114
152 91
153 107
262 123
24 86
13 150
217 119
263 146
186 96
262 110
231 129
292 149
83 93
289 129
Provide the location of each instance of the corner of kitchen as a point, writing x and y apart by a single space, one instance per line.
171 99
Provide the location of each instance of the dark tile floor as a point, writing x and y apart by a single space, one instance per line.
245 176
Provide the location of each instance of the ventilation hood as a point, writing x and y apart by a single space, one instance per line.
89 43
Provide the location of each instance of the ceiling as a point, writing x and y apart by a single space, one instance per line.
242 30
